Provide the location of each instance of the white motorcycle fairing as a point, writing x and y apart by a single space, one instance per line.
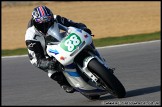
65 52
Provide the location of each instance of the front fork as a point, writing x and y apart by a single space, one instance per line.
98 56
85 70
94 78
86 61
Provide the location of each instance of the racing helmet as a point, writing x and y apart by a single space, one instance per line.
42 18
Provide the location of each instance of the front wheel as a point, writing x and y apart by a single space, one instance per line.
92 97
107 79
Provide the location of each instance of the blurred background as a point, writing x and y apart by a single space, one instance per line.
104 18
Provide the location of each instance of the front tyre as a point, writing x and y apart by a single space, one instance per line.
91 97
107 79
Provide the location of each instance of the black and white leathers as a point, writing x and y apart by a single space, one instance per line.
36 41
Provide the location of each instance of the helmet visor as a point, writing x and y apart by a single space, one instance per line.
43 26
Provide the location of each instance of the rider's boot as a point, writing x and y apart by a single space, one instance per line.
60 78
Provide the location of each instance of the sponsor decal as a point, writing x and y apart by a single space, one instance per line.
31 44
62 58
54 51
79 30
86 36
73 73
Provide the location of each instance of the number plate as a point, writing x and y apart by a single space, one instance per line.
71 42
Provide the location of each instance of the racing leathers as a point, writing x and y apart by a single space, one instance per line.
36 44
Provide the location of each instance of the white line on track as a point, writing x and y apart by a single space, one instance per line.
14 56
97 47
129 44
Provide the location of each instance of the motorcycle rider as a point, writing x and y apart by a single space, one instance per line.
36 40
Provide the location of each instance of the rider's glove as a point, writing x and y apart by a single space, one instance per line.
87 30
51 65
55 65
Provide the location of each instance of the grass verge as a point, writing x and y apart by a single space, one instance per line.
126 39
100 42
19 51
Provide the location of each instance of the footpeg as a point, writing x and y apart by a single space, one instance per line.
111 70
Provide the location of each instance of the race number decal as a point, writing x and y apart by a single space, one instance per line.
71 42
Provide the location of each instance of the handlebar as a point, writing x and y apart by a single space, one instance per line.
62 27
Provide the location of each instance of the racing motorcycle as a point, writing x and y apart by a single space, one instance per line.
85 70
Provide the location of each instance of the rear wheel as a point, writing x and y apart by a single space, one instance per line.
107 79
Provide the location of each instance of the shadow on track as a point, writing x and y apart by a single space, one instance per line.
136 92
143 91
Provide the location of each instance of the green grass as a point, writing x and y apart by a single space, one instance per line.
20 51
100 42
126 39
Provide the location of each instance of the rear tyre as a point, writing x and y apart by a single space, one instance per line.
107 79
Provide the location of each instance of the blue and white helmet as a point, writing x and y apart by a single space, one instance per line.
42 18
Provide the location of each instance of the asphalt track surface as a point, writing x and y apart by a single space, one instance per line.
137 67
